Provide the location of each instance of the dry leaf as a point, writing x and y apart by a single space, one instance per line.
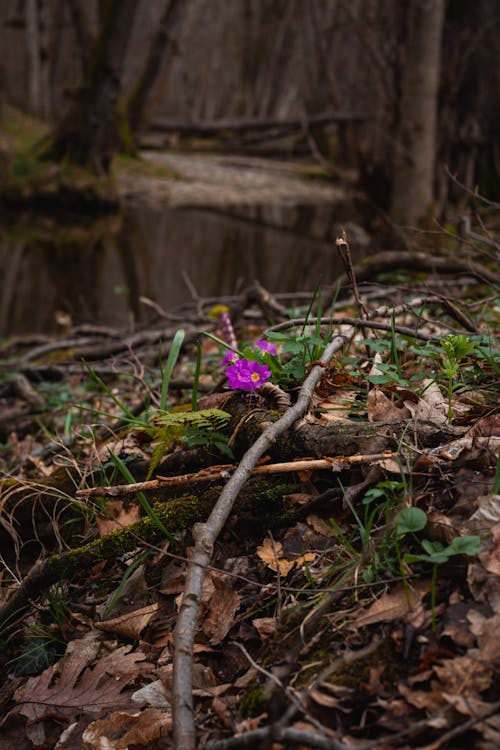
118 515
265 626
71 687
431 407
153 694
464 675
382 409
220 602
130 625
337 406
270 553
488 509
394 605
121 730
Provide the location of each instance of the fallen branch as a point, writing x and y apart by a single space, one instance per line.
253 124
403 330
223 471
261 737
414 260
205 535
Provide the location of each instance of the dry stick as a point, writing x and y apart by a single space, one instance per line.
278 731
223 471
259 737
345 254
205 536
403 330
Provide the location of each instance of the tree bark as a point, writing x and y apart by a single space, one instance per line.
162 43
88 133
414 162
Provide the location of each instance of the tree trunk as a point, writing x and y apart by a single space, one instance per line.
35 63
414 163
88 133
161 44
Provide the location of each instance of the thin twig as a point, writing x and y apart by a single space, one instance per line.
205 536
259 737
223 471
403 330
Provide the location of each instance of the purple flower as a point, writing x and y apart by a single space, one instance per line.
247 375
265 346
229 358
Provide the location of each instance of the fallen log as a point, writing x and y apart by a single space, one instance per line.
252 124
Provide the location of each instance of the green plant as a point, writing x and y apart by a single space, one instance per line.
372 546
173 356
455 349
44 642
413 520
202 427
148 509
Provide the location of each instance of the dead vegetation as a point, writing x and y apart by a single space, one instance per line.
318 568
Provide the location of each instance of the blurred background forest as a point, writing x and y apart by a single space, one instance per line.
377 98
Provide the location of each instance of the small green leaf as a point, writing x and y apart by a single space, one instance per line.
465 545
409 521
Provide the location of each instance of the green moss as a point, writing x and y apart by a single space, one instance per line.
253 702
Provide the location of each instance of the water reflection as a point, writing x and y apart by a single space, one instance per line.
97 271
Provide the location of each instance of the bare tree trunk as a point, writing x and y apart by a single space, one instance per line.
162 43
414 163
88 133
35 64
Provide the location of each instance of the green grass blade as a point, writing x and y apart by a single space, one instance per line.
172 358
125 471
194 397
95 377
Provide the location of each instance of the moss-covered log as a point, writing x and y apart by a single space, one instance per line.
260 498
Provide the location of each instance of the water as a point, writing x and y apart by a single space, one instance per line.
97 271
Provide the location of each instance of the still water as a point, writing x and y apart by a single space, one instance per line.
97 271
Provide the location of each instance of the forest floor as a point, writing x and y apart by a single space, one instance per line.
296 549
299 548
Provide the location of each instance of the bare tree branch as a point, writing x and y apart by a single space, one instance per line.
205 536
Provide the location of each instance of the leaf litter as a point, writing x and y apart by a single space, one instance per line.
321 619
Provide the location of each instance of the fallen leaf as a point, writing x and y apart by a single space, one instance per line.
271 553
70 687
337 406
131 624
265 626
432 407
118 515
396 604
220 601
465 675
153 694
121 730
382 409
488 509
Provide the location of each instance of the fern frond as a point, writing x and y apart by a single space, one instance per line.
169 426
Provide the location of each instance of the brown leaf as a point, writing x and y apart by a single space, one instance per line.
464 675
220 606
130 625
121 730
394 605
118 515
337 406
431 407
70 687
265 626
271 554
382 409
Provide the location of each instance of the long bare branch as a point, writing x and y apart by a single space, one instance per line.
205 535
